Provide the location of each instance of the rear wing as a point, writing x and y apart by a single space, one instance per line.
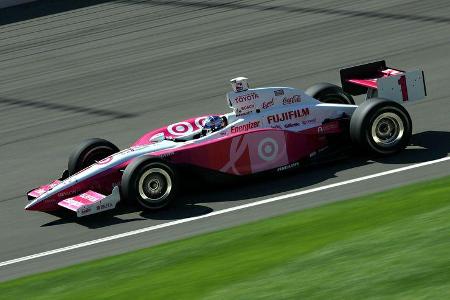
377 80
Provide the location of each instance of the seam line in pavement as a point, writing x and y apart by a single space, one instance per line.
219 212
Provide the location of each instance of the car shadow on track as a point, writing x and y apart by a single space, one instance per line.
195 201
425 146
119 215
42 8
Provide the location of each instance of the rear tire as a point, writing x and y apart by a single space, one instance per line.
88 152
329 93
381 126
149 183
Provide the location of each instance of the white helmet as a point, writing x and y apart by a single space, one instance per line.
239 84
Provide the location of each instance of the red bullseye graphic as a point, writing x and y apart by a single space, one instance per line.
268 149
105 160
180 128
200 122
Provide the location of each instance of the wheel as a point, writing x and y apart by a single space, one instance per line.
329 93
148 183
88 152
381 126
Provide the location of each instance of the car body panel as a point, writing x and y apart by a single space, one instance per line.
275 127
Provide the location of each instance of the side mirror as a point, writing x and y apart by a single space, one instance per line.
159 137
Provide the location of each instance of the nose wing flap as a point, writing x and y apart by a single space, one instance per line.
91 202
42 189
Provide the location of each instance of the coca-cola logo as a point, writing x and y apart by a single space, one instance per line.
291 100
247 97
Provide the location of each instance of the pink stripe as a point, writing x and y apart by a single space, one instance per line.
42 189
371 83
68 206
84 199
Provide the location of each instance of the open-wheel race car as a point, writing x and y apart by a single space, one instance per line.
270 129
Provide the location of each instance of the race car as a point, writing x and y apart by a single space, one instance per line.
269 129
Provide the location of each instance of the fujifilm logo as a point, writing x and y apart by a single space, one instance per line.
289 115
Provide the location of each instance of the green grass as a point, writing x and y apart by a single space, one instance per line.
392 245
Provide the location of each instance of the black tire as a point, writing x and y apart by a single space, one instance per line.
329 93
88 152
381 126
138 178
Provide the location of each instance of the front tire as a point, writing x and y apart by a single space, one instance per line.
150 184
88 152
381 126
329 93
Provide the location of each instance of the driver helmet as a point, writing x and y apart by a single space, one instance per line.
239 84
213 123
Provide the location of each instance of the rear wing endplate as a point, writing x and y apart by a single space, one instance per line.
376 79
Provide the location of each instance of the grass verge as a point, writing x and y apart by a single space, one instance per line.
393 245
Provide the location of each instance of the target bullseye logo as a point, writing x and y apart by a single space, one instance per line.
105 160
180 128
267 149
200 122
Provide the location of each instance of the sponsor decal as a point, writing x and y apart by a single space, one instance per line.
104 206
85 210
267 149
279 92
289 115
310 121
247 97
267 104
291 125
291 100
244 127
245 110
276 126
68 193
248 107
239 113
287 167
330 126
166 154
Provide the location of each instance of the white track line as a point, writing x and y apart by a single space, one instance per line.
219 212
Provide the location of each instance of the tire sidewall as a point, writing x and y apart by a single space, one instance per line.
130 182
323 91
364 117
78 157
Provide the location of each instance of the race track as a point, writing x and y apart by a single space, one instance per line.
119 68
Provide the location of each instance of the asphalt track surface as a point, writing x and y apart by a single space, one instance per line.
115 69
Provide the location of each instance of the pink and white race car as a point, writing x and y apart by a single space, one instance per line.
269 129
